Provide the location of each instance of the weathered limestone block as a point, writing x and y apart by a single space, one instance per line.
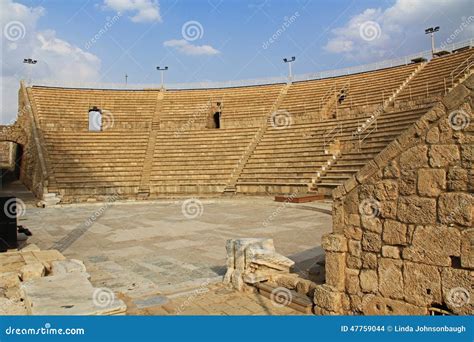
457 179
335 266
368 170
391 252
67 266
353 233
394 232
368 280
352 283
457 290
376 305
467 156
431 182
9 280
334 242
253 260
392 170
388 209
372 224
432 136
422 284
456 208
467 248
386 190
32 271
390 278
434 245
328 298
417 210
455 97
443 155
353 220
371 242
369 260
414 158
353 261
355 248
407 184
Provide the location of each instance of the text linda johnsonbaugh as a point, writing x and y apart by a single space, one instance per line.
403 329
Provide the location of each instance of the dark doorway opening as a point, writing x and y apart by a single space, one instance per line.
217 119
10 162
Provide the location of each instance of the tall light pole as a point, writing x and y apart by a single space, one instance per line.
126 79
431 31
162 74
30 62
289 61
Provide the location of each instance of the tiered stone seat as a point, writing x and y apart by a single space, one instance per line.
197 161
430 82
241 106
363 89
95 164
287 159
65 109
389 126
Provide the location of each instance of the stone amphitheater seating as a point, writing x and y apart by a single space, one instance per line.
435 78
160 144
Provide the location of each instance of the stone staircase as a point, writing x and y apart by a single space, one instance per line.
231 188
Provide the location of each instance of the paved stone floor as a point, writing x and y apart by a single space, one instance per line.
164 249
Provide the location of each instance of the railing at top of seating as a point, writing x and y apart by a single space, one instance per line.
262 81
462 68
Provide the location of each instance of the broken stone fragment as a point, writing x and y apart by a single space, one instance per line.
9 280
67 266
32 271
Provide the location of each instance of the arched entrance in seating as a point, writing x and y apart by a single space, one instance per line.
12 143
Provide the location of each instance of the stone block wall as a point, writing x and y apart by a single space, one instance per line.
6 155
402 240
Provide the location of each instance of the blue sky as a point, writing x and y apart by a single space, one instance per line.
232 37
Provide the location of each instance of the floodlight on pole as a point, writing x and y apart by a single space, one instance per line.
126 79
290 73
431 31
30 62
162 70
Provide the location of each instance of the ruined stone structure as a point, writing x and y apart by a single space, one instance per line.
6 155
402 240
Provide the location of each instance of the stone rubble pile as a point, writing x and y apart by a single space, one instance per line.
35 282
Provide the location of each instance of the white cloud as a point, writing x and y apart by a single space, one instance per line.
187 48
58 60
400 28
146 10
